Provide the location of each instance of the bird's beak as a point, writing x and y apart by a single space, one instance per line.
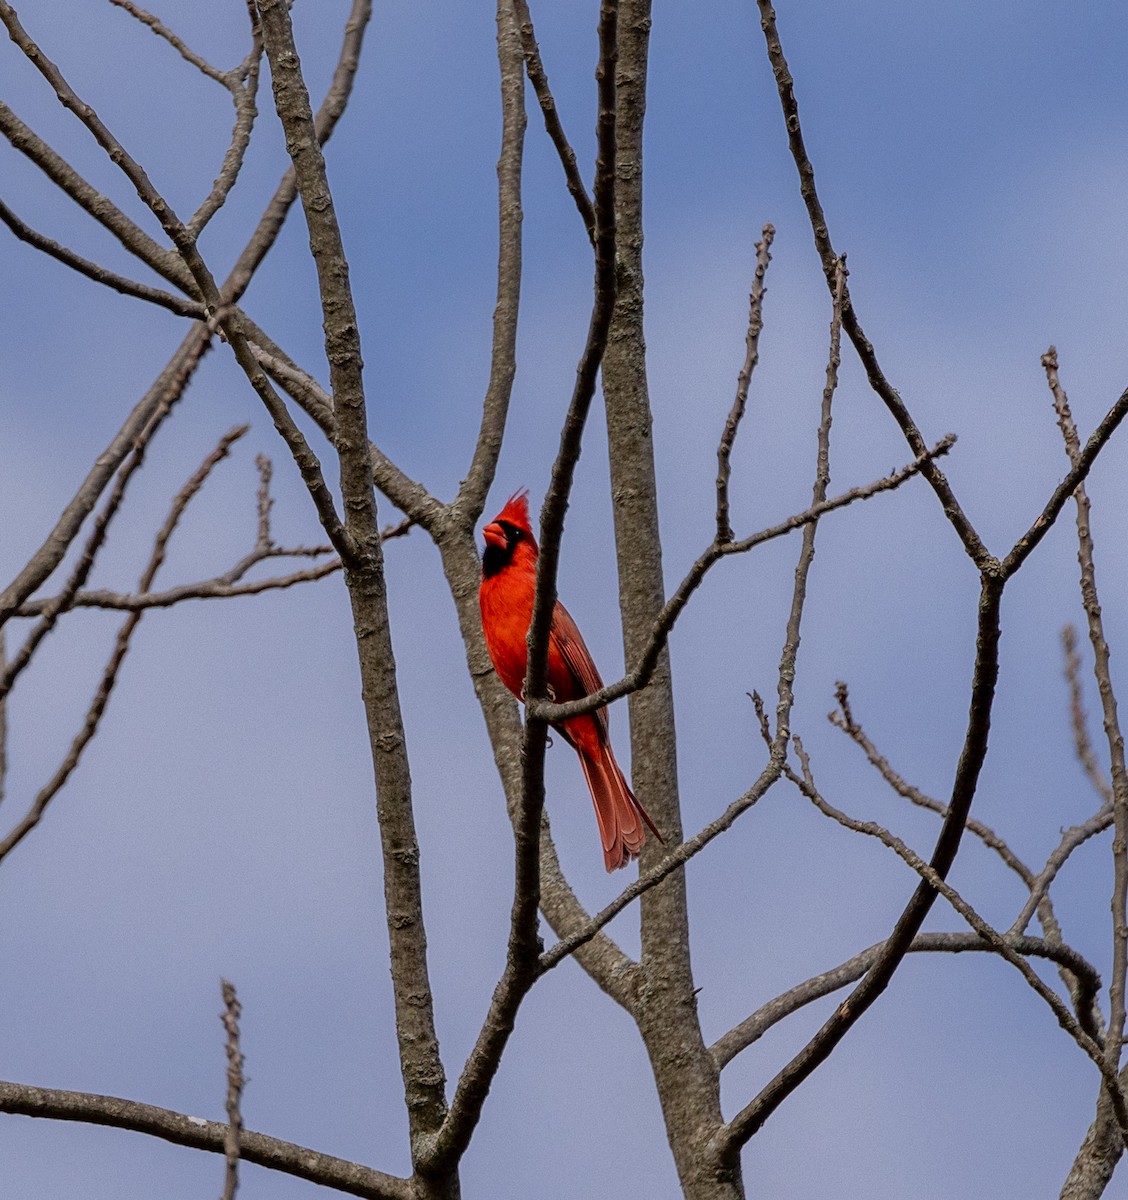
494 534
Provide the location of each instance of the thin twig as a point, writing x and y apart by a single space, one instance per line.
177 43
119 283
220 587
160 399
538 77
744 379
843 718
265 467
1078 718
806 784
672 861
1103 672
1038 901
54 608
232 1010
243 86
1074 836
125 633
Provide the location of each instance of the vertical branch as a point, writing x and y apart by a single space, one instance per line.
420 1061
503 360
1103 673
523 952
818 495
1078 718
687 1082
571 436
235 1080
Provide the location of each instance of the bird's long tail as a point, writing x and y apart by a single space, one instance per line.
621 817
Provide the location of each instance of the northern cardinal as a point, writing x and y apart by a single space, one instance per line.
509 580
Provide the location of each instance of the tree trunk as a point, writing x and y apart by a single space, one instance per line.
666 1008
1100 1152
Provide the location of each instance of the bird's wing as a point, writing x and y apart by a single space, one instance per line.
577 661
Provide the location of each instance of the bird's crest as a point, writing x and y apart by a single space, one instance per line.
516 511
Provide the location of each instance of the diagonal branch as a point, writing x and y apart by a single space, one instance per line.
1082 1030
538 77
101 699
177 374
99 274
985 676
713 553
785 86
164 262
167 389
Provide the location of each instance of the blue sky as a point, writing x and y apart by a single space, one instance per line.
972 160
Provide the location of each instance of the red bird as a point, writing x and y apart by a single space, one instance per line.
509 580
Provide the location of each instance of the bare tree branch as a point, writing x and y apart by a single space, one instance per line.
101 699
538 77
524 943
1079 720
1119 770
421 1064
1082 1030
176 376
164 262
160 398
503 358
1039 900
744 1125
54 608
751 358
195 1133
754 1026
673 607
785 85
99 274
844 719
177 43
235 1081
